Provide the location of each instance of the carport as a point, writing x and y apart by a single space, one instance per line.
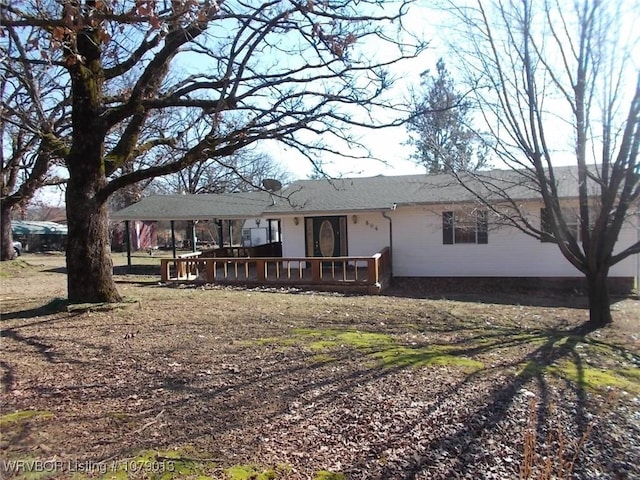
193 208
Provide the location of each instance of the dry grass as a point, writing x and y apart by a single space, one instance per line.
296 383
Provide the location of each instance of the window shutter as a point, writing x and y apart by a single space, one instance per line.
483 227
545 226
447 228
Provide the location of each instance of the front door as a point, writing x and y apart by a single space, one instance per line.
326 236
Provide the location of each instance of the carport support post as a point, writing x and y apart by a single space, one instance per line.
220 241
173 237
193 235
127 239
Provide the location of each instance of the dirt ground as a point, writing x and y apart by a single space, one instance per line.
231 383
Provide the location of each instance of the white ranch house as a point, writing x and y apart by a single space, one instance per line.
418 225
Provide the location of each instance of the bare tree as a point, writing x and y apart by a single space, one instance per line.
243 170
561 84
31 134
296 72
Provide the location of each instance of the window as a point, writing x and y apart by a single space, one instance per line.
570 217
465 227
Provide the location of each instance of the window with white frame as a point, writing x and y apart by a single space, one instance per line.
571 218
465 227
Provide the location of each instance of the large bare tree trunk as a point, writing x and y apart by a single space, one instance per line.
6 244
89 265
599 302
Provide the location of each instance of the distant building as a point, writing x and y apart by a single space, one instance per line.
39 236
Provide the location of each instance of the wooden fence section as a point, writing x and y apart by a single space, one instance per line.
370 274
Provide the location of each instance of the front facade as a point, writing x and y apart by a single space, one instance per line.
415 236
430 228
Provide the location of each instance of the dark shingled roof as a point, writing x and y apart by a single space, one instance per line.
343 195
380 193
196 207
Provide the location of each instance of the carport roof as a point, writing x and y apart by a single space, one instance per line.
196 207
23 227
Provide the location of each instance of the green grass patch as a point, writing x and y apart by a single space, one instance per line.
322 358
11 268
424 356
186 463
250 472
326 475
23 415
381 347
163 465
328 339
631 374
595 378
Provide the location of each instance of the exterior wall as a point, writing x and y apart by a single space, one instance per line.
418 251
292 237
366 236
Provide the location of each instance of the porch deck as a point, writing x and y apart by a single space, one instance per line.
361 274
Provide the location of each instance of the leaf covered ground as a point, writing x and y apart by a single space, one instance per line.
214 382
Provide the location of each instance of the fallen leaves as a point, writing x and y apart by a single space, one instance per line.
228 372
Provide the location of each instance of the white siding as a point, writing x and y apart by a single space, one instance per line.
418 251
292 237
368 235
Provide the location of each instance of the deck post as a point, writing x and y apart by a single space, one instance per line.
182 269
260 271
173 238
127 237
211 270
373 270
315 271
164 270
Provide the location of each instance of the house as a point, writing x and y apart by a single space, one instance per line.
428 225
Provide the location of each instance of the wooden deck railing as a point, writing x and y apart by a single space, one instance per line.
371 274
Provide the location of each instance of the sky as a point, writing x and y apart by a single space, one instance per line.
390 154
390 157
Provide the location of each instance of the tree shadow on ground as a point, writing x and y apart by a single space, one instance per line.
119 270
500 292
62 270
557 347
56 305
251 385
553 348
137 270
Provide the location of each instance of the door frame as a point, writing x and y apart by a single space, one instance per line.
312 226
